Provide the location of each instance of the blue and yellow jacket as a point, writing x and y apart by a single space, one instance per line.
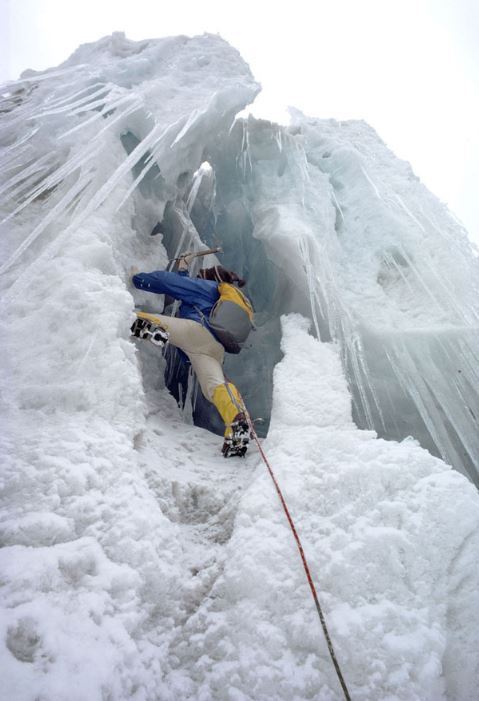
198 296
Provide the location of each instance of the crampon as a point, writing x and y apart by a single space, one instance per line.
144 329
236 444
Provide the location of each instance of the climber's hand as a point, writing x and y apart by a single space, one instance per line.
184 261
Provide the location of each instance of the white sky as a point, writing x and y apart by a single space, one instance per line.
410 68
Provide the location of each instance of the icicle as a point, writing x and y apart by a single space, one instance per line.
17 144
370 181
57 176
420 279
51 216
21 178
190 399
76 107
69 96
192 118
278 139
336 202
48 75
409 213
193 193
245 150
305 256
156 147
132 103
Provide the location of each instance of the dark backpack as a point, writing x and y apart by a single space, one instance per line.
232 318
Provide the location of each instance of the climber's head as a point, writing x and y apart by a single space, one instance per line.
219 274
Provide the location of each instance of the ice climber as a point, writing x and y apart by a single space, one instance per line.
191 331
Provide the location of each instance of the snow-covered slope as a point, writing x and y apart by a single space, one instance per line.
136 562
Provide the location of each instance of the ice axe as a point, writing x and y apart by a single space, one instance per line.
197 254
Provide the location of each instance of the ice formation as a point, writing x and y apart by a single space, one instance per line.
136 562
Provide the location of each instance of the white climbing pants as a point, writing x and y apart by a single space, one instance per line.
206 354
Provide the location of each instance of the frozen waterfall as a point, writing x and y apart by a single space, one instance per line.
130 548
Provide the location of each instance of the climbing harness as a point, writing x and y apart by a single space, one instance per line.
303 558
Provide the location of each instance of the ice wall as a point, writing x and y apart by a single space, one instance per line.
382 266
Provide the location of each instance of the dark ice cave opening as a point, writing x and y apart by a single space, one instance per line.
213 204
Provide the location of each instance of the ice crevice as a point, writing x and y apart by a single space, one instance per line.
131 548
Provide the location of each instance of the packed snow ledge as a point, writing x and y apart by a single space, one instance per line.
139 564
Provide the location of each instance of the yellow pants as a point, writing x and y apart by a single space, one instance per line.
206 355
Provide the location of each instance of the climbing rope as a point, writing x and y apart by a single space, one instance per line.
305 563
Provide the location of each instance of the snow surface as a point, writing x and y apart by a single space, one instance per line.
137 563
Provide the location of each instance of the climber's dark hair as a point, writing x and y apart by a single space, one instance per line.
220 274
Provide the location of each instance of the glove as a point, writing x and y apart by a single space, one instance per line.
184 261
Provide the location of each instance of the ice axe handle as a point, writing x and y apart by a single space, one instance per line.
197 254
